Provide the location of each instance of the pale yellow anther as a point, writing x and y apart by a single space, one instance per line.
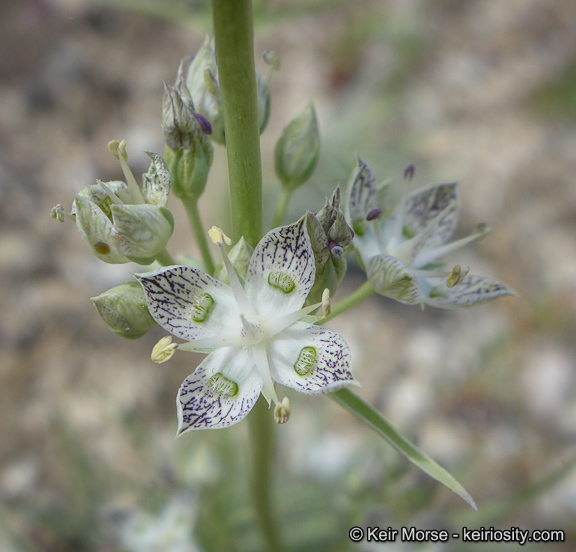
163 350
113 147
457 276
282 411
218 237
326 307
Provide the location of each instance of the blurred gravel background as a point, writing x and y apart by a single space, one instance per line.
483 92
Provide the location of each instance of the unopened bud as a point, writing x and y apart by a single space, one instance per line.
124 309
297 151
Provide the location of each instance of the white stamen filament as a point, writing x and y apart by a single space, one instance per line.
429 255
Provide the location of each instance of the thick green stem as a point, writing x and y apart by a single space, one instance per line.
234 37
164 258
191 206
356 297
234 40
262 447
282 206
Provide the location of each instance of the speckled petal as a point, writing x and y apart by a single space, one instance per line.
473 291
156 182
328 371
97 231
431 211
201 407
362 196
285 254
173 295
389 277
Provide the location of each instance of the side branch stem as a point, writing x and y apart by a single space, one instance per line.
356 297
191 206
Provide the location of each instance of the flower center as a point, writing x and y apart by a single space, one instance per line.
252 331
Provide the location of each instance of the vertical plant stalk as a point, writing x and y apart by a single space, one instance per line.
234 40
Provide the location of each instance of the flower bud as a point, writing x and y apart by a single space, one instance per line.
297 151
203 84
329 235
124 309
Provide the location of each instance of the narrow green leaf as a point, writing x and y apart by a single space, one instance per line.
373 419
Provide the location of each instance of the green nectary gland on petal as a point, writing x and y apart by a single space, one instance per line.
282 281
222 385
407 232
437 291
201 307
306 361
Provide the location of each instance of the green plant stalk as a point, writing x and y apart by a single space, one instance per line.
282 206
234 40
195 221
356 297
164 258
234 37
262 448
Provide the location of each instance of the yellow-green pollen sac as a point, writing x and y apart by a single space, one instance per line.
281 281
222 385
306 361
201 307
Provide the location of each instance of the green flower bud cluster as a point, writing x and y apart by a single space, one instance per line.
189 151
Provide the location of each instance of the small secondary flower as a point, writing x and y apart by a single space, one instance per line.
400 246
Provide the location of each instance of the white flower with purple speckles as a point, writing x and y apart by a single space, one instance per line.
254 332
400 248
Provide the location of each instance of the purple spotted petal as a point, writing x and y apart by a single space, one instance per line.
473 291
281 271
432 212
175 294
200 407
391 278
362 196
328 371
